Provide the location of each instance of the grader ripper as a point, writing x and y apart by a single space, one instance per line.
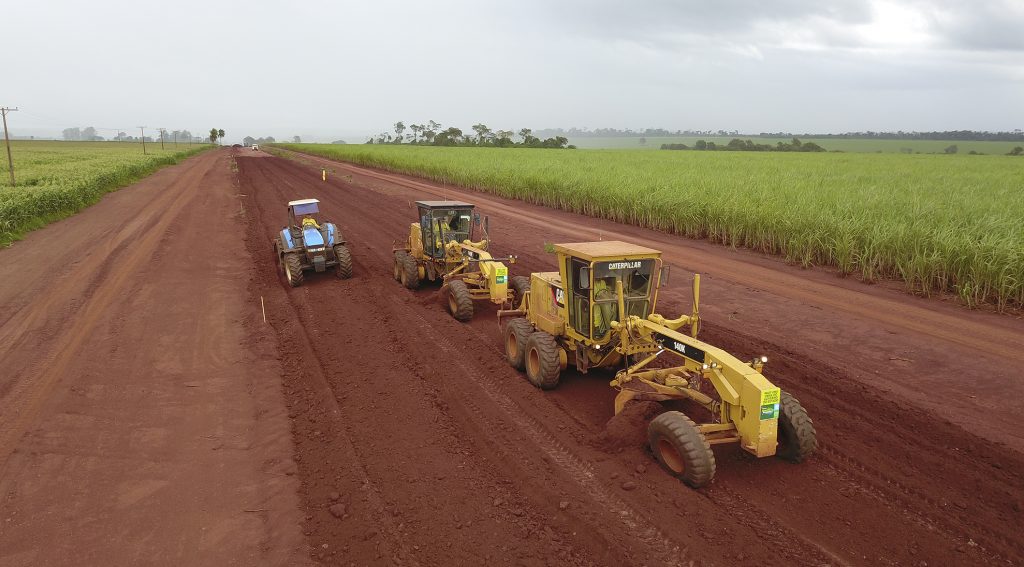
441 248
598 311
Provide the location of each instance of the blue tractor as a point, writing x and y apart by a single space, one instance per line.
306 244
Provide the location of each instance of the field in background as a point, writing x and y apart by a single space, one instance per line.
56 179
938 222
830 144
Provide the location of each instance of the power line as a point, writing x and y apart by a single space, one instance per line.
7 141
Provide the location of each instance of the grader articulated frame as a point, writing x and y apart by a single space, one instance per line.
598 310
441 248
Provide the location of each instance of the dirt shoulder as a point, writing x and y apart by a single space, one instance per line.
142 420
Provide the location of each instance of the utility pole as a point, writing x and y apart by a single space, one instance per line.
175 134
143 128
162 130
7 140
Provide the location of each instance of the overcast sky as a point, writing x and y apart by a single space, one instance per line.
327 70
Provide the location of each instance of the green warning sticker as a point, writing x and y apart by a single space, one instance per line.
499 279
770 411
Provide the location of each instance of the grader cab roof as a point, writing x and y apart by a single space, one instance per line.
444 204
605 249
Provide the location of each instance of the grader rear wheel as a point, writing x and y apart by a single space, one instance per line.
797 438
409 276
460 301
517 332
681 448
542 360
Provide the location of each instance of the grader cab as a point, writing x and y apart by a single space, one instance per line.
450 245
598 311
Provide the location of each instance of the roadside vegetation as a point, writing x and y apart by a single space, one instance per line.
940 223
58 179
738 145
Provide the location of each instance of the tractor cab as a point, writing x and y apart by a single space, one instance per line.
442 222
593 272
302 222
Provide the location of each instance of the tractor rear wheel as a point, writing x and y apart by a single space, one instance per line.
460 301
797 438
681 448
410 273
344 269
542 360
520 285
517 331
293 269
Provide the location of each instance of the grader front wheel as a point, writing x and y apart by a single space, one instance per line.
797 438
681 448
460 301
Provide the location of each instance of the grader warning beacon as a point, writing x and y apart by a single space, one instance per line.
598 311
441 248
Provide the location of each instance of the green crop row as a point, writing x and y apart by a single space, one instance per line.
57 179
940 223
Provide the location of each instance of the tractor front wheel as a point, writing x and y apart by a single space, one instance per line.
460 301
520 285
293 269
542 360
409 276
797 438
517 332
344 269
681 448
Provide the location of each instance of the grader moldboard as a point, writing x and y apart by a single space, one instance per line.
597 311
306 244
441 248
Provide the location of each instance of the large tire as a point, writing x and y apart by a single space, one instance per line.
797 438
410 275
293 269
398 265
517 331
681 448
542 360
460 301
344 268
520 285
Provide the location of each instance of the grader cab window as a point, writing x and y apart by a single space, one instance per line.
636 276
441 226
579 308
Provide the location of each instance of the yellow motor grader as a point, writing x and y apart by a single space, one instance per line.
441 248
598 311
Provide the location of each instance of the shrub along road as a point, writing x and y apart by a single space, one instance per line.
144 404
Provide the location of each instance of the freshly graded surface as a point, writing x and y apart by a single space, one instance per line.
148 415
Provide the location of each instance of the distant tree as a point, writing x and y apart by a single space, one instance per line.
220 133
643 141
89 134
416 130
482 132
72 134
121 136
525 133
1017 151
296 139
951 149
701 145
399 128
214 134
450 137
248 141
339 142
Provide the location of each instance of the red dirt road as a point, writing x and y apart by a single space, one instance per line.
149 416
141 416
441 454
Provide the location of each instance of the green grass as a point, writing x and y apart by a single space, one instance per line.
939 223
831 144
58 179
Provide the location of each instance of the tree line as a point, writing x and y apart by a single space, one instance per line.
88 134
738 145
960 135
431 134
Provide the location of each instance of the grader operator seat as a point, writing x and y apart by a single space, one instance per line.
442 222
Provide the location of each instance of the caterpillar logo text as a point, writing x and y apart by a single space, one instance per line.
624 265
